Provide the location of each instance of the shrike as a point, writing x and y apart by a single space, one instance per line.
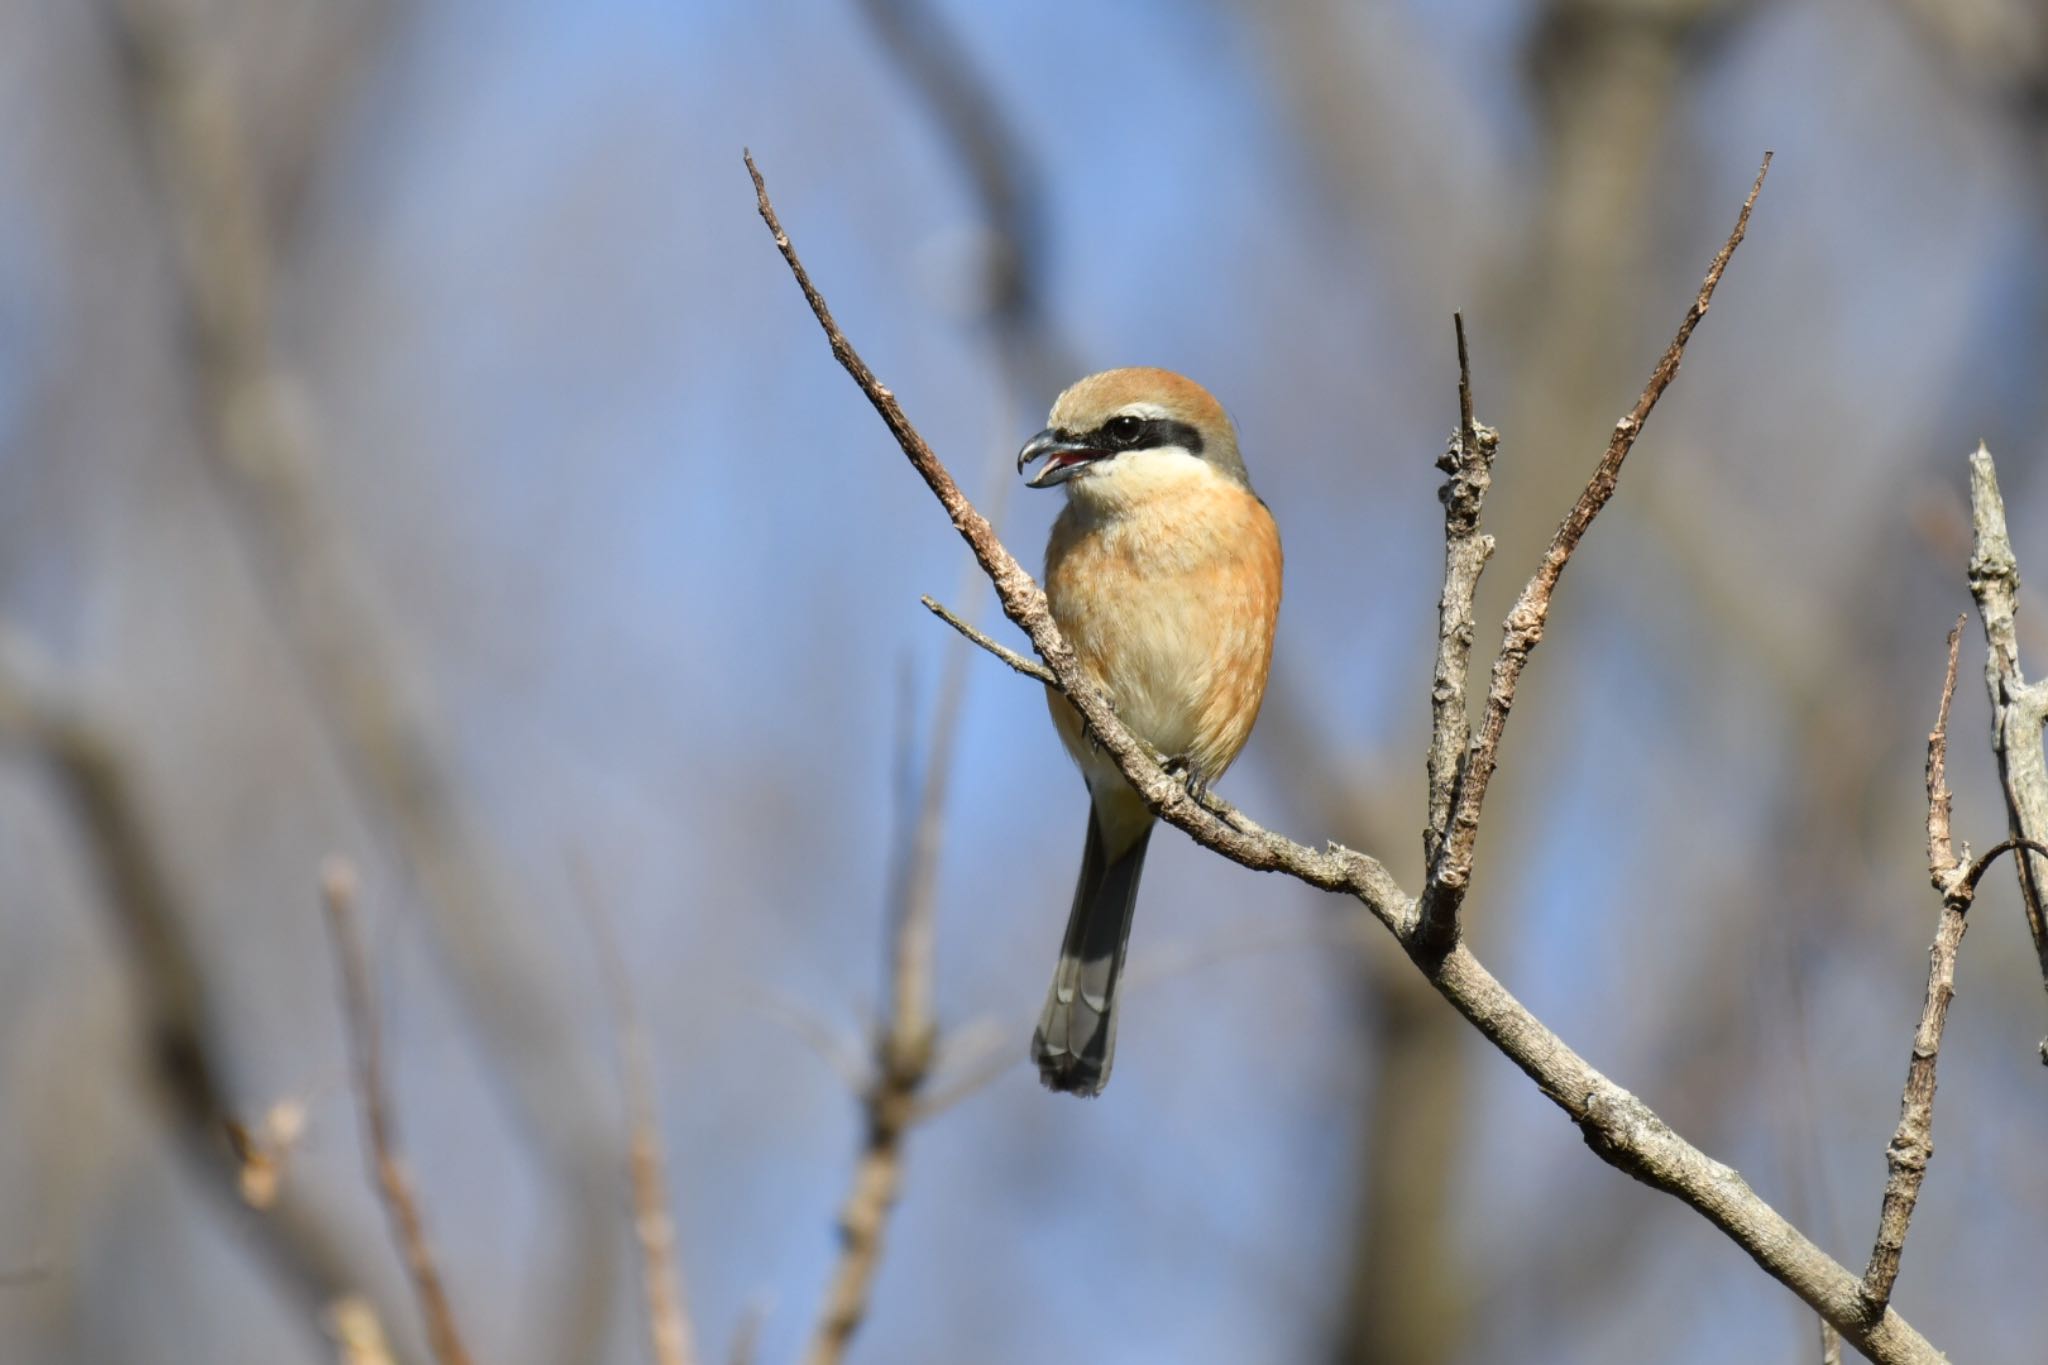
1164 574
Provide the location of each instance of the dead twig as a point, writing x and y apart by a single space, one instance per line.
1451 874
2018 707
1912 1144
1469 462
1030 668
1619 1128
393 1183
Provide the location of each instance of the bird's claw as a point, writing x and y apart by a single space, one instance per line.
1191 777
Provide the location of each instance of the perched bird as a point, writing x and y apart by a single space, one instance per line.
1163 572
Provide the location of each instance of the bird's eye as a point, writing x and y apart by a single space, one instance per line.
1125 430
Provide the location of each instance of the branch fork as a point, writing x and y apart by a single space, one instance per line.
1621 1129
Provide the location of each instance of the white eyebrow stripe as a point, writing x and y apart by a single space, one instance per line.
1149 411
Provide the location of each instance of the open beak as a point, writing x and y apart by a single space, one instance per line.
1063 458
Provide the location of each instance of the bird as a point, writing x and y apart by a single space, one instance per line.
1163 573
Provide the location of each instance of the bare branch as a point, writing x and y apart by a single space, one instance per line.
2017 707
1030 668
1991 855
1469 462
654 1230
1024 604
387 1172
1619 1128
1830 1344
1912 1145
1452 872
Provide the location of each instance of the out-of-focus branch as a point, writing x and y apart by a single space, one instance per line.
1033 360
1619 1128
358 1333
387 1172
661 1277
1415 1062
2018 708
941 74
264 462
1998 49
1452 872
294 1241
906 1040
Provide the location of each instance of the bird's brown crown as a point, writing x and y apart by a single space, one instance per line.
1089 402
1176 403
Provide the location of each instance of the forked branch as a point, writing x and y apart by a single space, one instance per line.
1451 873
1619 1128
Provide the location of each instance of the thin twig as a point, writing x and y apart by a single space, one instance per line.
1912 1145
1468 460
1617 1126
1941 849
1452 873
2017 707
1030 668
1991 855
387 1172
1830 1344
654 1231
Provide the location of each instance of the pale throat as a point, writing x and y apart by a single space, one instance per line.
1140 479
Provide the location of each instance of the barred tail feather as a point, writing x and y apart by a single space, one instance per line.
1076 1036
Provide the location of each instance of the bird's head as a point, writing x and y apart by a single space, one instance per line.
1113 435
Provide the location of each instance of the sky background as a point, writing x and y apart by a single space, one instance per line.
649 568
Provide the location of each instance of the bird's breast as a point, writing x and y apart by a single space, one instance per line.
1170 606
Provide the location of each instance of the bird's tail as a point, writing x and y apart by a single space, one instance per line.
1076 1035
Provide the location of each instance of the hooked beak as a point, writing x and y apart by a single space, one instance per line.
1063 458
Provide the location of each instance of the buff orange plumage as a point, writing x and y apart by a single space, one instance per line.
1164 574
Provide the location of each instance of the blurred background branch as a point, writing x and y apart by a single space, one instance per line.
186 110
293 1240
571 453
388 1175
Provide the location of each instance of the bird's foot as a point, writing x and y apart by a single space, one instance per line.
1190 775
